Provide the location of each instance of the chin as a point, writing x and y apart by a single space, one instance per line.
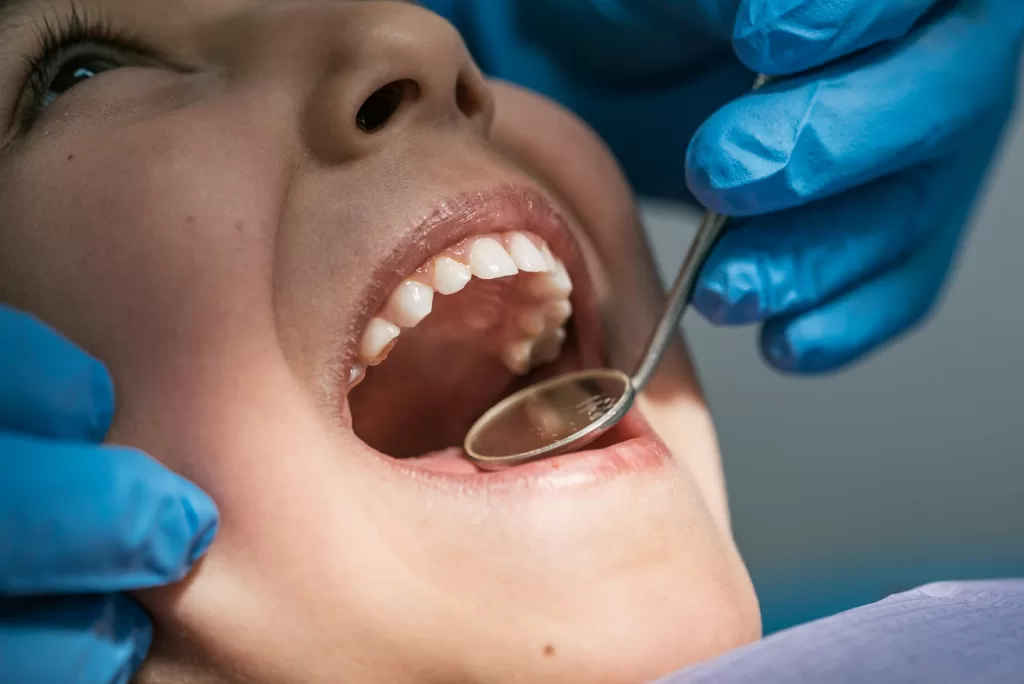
399 579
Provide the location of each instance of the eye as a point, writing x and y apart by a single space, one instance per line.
72 48
72 72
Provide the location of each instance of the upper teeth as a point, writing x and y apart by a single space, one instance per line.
488 257
526 255
450 276
558 286
489 260
410 303
378 336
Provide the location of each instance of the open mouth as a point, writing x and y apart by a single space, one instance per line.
505 302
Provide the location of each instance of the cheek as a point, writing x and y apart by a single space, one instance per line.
137 241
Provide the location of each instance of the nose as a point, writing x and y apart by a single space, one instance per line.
395 71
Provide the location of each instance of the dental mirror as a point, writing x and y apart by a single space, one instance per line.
568 412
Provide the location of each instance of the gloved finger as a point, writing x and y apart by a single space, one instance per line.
886 111
780 37
82 639
48 386
789 261
871 313
857 323
86 519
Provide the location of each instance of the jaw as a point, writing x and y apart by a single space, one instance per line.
330 560
329 563
348 562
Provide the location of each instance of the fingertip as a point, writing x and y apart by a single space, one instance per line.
135 632
191 523
711 173
710 302
776 50
704 169
128 632
102 414
740 161
204 519
169 530
789 351
776 350
780 39
730 296
777 41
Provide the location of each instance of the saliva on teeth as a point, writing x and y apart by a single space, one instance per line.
539 331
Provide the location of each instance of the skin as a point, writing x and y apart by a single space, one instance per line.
211 231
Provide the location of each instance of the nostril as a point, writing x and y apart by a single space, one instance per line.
383 103
467 99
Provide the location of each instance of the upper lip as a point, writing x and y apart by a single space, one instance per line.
491 210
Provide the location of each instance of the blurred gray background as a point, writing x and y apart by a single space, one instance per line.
907 468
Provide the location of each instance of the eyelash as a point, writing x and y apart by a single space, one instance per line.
57 37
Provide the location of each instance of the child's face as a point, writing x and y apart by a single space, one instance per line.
218 216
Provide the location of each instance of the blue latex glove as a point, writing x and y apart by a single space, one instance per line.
79 522
854 180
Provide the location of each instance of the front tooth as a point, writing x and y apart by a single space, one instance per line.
517 356
549 258
562 280
526 255
489 260
356 374
379 335
450 276
410 303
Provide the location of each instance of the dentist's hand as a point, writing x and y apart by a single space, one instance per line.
856 179
80 523
854 173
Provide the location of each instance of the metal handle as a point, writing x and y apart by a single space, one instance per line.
707 235
710 230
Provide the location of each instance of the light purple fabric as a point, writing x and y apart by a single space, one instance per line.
945 633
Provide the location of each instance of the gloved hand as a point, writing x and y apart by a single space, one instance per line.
854 174
79 522
856 179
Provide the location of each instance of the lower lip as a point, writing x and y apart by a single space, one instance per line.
629 447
